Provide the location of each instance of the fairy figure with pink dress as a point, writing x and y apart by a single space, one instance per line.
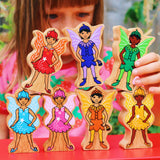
58 122
45 59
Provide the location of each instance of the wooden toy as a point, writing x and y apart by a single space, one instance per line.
22 120
58 120
86 44
96 106
137 117
129 45
45 59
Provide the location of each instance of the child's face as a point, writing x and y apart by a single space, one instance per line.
96 99
23 101
139 98
85 35
134 40
69 17
50 40
59 100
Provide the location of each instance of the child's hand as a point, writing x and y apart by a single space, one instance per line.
148 72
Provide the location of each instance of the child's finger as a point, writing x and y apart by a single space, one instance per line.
154 90
147 69
148 58
149 80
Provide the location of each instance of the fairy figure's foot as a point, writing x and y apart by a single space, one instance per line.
48 90
147 144
70 147
107 127
50 148
83 82
116 83
128 87
13 150
34 149
103 145
99 62
28 85
97 81
128 145
89 145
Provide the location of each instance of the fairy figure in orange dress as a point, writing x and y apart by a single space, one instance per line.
46 60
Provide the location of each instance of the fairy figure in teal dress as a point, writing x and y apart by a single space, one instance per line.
24 120
130 51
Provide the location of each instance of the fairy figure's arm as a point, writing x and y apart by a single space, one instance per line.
78 55
133 114
53 116
121 55
17 117
70 115
105 117
34 117
55 55
88 117
40 55
148 112
96 52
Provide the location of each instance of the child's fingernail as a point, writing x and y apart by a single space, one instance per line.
138 81
135 72
137 63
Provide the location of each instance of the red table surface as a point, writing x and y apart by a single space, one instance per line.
115 151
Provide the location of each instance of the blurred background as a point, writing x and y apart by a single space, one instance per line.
128 13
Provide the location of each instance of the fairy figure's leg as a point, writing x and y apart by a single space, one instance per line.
36 73
66 139
53 139
18 136
30 140
128 80
132 138
145 138
46 80
94 74
119 78
100 132
92 132
84 76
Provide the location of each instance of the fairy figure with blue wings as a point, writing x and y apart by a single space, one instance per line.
86 47
23 120
131 49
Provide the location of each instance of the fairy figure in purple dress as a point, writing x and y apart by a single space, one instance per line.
86 47
59 122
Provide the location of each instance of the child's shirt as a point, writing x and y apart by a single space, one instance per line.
64 78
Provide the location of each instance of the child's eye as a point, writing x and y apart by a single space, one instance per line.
83 14
53 16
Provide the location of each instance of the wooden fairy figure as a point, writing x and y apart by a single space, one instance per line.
24 120
58 123
138 120
45 58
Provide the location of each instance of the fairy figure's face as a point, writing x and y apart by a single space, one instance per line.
23 101
139 98
96 99
85 35
59 100
50 40
134 40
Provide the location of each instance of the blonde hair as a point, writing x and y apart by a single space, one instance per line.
29 15
139 92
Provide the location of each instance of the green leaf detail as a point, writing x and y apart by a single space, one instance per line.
76 113
55 81
2 98
41 111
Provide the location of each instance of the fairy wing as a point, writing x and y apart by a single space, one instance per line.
34 106
129 103
107 102
60 49
123 40
75 39
84 101
96 36
12 107
143 45
149 102
49 105
37 43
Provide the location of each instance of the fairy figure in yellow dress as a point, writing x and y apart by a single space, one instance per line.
139 117
97 108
